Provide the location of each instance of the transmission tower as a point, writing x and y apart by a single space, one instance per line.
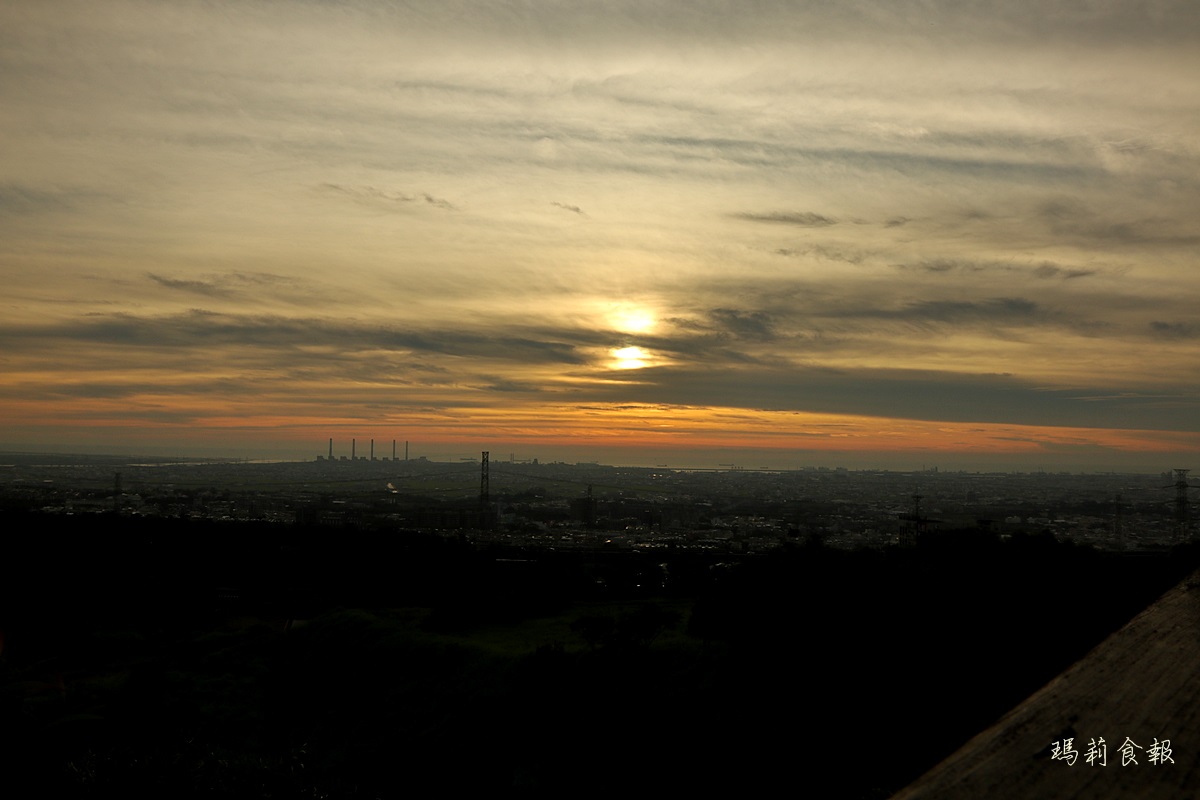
1118 526
483 482
1181 495
911 525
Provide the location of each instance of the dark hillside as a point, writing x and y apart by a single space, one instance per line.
151 658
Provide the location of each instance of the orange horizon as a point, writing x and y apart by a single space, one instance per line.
641 427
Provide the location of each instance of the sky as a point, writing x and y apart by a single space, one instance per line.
896 234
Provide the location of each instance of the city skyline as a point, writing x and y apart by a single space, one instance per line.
875 234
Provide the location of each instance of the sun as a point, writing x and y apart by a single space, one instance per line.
630 357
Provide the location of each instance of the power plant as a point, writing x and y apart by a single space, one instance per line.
328 457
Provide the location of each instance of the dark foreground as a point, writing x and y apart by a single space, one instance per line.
156 658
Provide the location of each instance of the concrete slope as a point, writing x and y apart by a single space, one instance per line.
1143 682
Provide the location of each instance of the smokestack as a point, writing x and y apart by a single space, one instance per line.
331 448
406 449
351 449
393 449
372 449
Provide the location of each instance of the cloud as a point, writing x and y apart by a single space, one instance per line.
825 253
908 394
804 219
195 287
503 385
999 193
743 325
378 198
1175 330
1074 220
17 199
1045 270
267 335
1006 308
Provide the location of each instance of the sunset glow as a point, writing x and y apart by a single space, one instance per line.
877 233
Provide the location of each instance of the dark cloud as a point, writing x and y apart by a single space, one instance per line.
804 219
504 385
200 329
813 317
905 394
473 90
255 287
1047 270
92 389
743 324
954 311
984 164
1071 219
141 385
1175 330
823 252
896 222
17 199
630 23
573 209
141 413
438 202
997 157
939 265
260 278
783 320
724 336
378 198
194 287
1044 270
505 348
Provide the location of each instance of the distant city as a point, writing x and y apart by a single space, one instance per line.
531 503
